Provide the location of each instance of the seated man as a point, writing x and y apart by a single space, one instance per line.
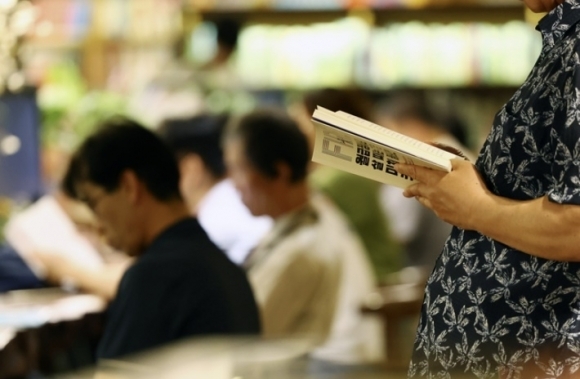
180 284
208 193
310 273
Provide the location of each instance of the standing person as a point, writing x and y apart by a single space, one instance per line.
209 194
504 296
181 284
310 273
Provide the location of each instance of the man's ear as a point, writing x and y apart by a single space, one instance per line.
192 171
131 186
191 164
284 172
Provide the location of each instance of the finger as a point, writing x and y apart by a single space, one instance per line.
406 169
420 174
413 190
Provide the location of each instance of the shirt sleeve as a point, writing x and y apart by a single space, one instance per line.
284 292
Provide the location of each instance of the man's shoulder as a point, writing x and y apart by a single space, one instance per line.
178 242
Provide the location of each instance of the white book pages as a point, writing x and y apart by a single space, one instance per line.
362 148
411 142
45 227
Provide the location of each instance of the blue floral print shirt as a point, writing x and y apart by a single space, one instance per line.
491 310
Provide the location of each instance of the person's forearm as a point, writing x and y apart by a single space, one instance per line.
104 282
101 281
538 227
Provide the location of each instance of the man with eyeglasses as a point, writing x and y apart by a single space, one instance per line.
181 284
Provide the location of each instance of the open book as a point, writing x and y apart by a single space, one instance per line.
360 147
45 227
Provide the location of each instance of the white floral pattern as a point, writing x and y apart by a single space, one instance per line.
491 310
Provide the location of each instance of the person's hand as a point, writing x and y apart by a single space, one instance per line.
55 267
455 197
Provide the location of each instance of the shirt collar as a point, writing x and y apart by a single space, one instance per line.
558 22
282 228
188 226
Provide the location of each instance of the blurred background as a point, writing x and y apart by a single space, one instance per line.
66 64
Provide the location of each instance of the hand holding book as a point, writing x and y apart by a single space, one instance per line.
360 147
438 191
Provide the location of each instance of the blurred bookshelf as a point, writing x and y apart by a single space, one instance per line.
444 14
305 11
470 56
478 52
126 39
348 52
294 44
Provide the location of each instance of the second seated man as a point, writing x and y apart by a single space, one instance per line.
209 194
310 274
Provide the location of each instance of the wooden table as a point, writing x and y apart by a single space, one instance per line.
38 328
396 304
227 358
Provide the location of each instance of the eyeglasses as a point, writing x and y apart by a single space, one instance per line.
93 201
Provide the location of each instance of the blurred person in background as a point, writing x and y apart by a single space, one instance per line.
310 274
183 89
421 232
356 196
209 194
219 71
181 284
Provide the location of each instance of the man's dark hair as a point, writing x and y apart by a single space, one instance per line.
199 135
118 145
269 137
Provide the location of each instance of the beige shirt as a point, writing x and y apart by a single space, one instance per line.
295 274
310 276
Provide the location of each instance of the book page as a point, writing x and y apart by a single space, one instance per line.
345 151
45 227
383 136
411 141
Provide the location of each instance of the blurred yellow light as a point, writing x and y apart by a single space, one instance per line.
10 145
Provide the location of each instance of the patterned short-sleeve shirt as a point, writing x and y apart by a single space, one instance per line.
492 310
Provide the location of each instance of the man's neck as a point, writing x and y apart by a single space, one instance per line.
194 197
163 215
293 199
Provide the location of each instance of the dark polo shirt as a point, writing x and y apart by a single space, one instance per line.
182 285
